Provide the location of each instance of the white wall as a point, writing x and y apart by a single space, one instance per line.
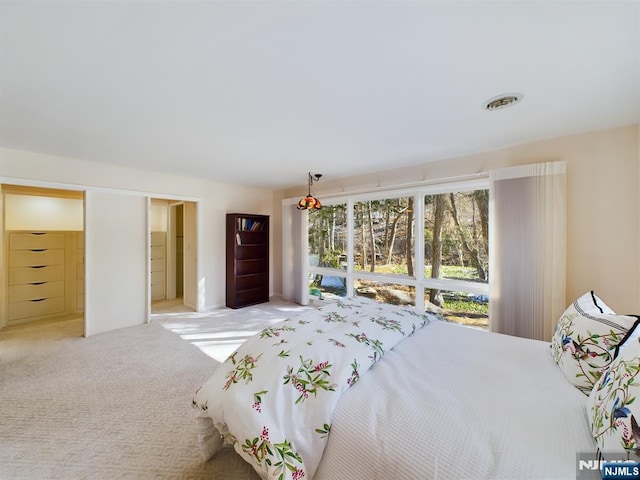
27 212
212 201
116 261
603 205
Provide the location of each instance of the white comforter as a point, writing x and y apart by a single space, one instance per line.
451 402
274 398
457 403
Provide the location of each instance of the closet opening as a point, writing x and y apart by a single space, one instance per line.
172 256
42 243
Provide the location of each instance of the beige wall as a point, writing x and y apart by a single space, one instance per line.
211 202
603 205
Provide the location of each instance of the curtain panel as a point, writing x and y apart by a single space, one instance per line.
527 249
295 268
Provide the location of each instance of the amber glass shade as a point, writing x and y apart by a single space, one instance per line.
309 202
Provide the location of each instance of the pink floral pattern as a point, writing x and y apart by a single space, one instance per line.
309 378
265 397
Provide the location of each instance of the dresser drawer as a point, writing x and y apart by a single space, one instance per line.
158 278
157 291
28 291
158 239
31 258
50 273
30 241
157 265
47 306
157 252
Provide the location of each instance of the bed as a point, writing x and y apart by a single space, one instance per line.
431 400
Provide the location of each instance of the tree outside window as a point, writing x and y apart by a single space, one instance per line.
455 256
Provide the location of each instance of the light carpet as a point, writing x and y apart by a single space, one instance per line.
117 405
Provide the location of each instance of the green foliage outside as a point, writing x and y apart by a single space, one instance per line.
331 259
457 304
455 238
453 301
446 271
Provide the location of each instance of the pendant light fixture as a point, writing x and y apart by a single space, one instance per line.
310 202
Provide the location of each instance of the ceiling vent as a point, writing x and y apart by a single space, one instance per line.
502 101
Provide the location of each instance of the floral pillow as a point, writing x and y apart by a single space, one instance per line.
586 338
613 414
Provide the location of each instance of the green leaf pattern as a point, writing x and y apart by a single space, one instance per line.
280 457
585 354
242 370
288 392
388 324
309 378
375 345
611 405
276 331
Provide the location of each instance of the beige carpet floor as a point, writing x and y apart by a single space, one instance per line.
117 405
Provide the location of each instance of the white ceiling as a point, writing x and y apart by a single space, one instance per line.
260 93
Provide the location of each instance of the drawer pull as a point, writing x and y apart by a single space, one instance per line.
38 233
38 283
38 266
38 249
37 299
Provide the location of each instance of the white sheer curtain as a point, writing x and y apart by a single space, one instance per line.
528 249
295 267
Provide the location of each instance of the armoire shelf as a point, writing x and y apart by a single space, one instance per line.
247 259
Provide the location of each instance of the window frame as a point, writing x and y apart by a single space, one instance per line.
418 281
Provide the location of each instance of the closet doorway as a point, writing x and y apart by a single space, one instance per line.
42 245
172 256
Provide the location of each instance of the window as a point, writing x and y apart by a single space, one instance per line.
471 309
397 294
457 235
383 230
328 249
456 244
328 237
425 247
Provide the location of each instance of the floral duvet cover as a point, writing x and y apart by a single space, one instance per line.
273 398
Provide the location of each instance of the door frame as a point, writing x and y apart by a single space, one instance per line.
190 248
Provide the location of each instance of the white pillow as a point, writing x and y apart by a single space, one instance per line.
613 413
633 335
586 338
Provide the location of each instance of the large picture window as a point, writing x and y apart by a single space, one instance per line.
328 250
456 240
427 248
383 232
328 237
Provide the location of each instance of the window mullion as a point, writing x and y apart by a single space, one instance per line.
350 247
418 245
